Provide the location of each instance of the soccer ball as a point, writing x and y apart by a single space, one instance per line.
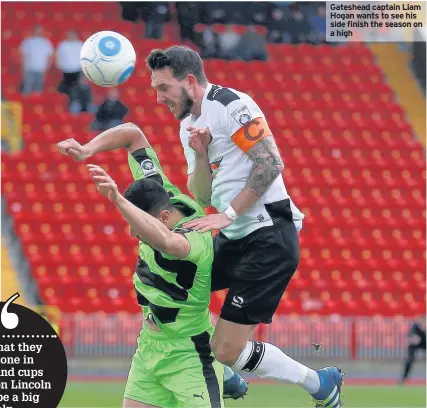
107 58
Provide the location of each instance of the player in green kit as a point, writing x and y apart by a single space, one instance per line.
173 365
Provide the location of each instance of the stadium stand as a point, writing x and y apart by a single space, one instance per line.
9 280
353 166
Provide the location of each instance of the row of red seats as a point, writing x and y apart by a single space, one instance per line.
354 176
339 280
325 307
47 157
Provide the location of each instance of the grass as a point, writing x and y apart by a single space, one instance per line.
110 394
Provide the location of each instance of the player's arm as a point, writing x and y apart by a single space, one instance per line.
200 181
127 135
149 229
199 170
152 231
257 142
267 167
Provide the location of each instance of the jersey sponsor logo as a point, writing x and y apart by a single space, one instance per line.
148 168
237 301
242 115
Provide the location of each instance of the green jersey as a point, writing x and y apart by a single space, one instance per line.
175 291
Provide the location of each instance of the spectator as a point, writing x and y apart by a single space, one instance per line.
252 46
155 14
299 28
131 10
277 27
188 17
259 12
228 42
81 97
209 46
36 59
214 12
68 61
318 23
110 113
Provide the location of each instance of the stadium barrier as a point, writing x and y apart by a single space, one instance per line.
347 338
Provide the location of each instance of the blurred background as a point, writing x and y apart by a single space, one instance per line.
350 121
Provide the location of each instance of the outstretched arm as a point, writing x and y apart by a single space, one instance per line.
128 136
148 228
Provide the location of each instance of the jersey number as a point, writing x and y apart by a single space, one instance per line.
185 275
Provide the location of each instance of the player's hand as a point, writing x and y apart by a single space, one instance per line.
199 139
105 185
209 223
74 149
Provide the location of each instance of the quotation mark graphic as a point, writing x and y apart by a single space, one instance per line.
9 320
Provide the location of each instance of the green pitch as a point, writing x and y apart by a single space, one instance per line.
109 394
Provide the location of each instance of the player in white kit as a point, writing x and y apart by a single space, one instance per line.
234 164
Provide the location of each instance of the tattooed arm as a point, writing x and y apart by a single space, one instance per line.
267 167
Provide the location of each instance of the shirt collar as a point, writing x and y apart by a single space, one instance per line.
203 105
205 96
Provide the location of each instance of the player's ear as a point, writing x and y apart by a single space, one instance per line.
191 79
164 216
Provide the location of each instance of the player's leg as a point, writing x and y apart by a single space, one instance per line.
142 388
409 362
235 386
270 258
190 371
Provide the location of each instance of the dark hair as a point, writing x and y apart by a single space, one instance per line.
149 196
182 61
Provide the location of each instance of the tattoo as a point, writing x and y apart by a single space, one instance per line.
268 165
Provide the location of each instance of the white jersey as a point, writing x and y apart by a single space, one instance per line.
225 112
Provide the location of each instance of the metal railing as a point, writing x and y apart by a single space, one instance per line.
352 338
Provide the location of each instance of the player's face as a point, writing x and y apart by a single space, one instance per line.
173 93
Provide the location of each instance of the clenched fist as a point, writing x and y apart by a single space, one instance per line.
199 139
74 149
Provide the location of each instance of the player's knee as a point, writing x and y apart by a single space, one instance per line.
225 352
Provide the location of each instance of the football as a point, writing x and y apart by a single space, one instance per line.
107 58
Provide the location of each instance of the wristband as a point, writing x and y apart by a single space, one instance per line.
230 213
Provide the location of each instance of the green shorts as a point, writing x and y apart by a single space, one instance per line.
175 373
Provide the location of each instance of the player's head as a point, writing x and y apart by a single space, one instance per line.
151 197
176 74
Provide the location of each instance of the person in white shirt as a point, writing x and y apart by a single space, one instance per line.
234 164
36 59
68 61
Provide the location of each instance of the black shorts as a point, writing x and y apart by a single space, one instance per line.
257 268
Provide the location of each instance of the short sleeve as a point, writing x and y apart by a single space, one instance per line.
188 151
144 163
245 123
24 46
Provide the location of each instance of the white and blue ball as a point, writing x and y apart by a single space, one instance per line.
107 58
